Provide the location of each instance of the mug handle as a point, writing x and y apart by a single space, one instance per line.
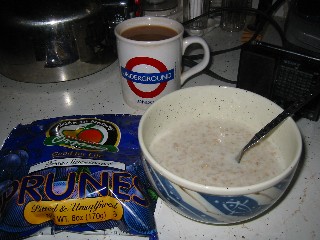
201 65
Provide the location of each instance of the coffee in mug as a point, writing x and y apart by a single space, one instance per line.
149 33
150 53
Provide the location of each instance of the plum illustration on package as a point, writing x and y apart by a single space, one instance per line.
78 174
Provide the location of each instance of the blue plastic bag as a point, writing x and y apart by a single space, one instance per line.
76 174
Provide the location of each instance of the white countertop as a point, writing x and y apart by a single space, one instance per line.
295 217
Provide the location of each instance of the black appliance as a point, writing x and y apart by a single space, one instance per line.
302 26
280 75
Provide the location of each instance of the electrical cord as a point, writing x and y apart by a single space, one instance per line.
261 24
189 60
190 63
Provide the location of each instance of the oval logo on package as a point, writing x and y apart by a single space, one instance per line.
137 81
84 133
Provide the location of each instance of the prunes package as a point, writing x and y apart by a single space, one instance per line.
76 174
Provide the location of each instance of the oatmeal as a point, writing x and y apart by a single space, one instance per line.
204 151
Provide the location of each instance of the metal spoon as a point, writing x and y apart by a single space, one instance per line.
295 107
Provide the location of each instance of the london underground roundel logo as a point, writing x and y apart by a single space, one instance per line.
161 78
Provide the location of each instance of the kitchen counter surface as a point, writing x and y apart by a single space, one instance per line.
295 217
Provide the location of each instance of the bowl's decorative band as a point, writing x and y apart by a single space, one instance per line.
214 209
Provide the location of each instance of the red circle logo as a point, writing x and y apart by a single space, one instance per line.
148 61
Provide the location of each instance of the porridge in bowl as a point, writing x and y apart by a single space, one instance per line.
204 150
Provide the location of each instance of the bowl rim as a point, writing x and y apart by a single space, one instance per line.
223 191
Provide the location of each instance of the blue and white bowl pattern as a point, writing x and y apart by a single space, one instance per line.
214 209
210 204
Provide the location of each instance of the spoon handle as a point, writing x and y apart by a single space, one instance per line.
296 106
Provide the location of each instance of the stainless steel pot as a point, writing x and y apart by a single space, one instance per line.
53 40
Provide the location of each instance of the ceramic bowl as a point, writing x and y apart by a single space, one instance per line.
212 204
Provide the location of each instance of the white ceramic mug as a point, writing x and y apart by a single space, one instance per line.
152 69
